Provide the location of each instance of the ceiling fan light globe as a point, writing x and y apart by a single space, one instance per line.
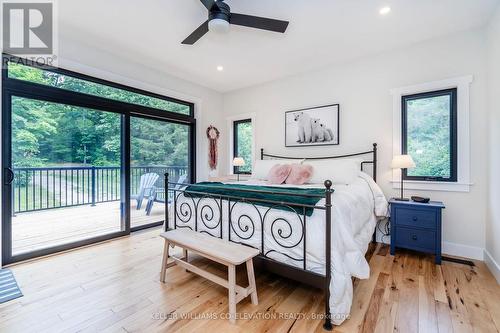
218 26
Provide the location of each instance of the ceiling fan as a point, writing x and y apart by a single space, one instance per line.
220 17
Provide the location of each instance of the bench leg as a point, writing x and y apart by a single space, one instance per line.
163 273
251 282
185 256
232 293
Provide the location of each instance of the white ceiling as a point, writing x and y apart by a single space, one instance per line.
321 32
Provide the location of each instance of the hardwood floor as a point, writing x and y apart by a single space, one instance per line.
114 287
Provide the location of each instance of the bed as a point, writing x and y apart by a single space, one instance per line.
317 234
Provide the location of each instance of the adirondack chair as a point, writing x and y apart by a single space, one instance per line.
154 197
146 187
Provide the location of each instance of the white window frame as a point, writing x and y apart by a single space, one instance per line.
463 182
230 130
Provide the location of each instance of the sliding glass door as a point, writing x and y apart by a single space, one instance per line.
84 159
157 147
64 175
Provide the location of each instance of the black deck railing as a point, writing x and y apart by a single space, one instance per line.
57 187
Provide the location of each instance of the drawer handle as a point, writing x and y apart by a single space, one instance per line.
414 237
415 219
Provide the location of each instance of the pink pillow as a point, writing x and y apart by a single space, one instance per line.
300 174
279 173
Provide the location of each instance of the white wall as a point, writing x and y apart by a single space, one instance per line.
493 219
362 89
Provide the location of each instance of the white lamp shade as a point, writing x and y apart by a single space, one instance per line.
238 161
402 162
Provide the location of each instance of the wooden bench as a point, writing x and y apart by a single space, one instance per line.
218 250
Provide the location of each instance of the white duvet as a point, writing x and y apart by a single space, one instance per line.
355 210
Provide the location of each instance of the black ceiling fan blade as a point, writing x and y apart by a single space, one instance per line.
197 34
208 3
259 22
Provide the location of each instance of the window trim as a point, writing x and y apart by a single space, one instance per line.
452 93
229 142
235 143
463 182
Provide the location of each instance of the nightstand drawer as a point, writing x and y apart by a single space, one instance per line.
424 240
419 218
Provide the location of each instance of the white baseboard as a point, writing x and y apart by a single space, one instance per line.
465 251
492 265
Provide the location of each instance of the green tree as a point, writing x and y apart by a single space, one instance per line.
428 133
32 126
46 133
245 145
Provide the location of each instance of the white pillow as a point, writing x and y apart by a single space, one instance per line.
339 171
261 167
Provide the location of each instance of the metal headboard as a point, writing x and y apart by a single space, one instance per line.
373 161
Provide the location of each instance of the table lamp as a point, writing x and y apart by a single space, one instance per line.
238 162
402 162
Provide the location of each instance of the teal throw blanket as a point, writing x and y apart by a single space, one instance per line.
290 195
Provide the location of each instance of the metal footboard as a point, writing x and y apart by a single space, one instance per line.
204 212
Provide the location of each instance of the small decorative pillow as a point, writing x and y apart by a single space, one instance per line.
261 168
300 174
279 173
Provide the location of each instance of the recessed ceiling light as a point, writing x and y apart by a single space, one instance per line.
220 68
385 10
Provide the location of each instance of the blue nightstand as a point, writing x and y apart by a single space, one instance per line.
416 226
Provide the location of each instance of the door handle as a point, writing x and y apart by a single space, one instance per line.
8 176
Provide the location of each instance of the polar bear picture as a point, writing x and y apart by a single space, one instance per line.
312 127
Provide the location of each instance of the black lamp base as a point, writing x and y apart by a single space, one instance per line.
402 197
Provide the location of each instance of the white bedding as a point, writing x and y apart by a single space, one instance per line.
355 210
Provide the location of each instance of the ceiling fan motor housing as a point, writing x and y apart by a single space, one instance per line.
220 11
220 18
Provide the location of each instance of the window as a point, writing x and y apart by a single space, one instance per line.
73 146
57 80
242 144
429 135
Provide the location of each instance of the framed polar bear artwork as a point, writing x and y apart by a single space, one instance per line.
316 126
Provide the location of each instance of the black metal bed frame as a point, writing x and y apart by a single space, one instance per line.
244 227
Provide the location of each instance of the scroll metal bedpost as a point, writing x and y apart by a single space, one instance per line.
166 201
328 205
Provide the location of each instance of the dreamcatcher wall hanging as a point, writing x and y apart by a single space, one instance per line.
212 135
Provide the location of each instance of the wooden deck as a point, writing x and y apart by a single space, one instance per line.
46 228
114 287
